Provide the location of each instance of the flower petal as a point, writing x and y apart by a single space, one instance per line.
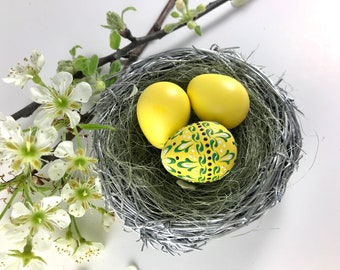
19 210
60 218
64 245
50 202
16 234
41 94
46 137
74 118
107 220
42 119
97 185
76 209
37 60
67 192
11 131
57 169
42 240
61 81
81 93
90 104
19 79
131 267
87 250
2 117
64 149
36 264
13 263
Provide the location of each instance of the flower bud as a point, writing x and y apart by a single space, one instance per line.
191 24
100 85
66 65
238 3
180 6
200 8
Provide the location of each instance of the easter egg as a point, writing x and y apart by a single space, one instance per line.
220 98
162 109
200 152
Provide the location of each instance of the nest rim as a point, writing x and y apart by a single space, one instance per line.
186 233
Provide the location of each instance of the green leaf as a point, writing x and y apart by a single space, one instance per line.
114 21
73 51
66 65
111 77
110 81
95 127
115 67
93 64
115 40
80 63
127 9
87 66
175 14
168 28
198 30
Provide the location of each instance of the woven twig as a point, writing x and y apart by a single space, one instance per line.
148 199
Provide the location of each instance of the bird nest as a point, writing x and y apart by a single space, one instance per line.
171 215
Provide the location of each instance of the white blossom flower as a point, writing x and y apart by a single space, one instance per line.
70 161
38 221
87 250
12 237
61 100
24 149
80 196
86 107
131 267
16 260
107 220
21 74
66 245
238 3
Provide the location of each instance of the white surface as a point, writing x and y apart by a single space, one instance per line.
297 38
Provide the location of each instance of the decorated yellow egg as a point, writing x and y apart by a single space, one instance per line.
220 98
200 152
162 109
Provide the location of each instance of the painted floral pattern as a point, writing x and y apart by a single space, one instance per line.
201 152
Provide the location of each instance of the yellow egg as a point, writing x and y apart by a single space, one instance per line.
201 152
220 98
162 109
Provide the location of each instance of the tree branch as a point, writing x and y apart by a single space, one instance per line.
134 49
154 35
26 111
135 53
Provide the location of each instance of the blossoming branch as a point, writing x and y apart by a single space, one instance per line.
53 178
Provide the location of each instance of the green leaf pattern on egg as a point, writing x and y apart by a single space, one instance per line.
201 152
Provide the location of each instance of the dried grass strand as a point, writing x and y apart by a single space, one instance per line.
148 199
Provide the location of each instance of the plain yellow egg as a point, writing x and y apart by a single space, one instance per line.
162 109
220 98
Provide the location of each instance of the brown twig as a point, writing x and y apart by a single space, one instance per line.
135 53
135 48
154 35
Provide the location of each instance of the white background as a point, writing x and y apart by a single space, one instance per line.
299 39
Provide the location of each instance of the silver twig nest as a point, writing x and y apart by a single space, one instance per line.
179 218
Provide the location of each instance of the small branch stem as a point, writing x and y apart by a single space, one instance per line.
26 111
9 204
76 228
154 35
134 55
135 48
